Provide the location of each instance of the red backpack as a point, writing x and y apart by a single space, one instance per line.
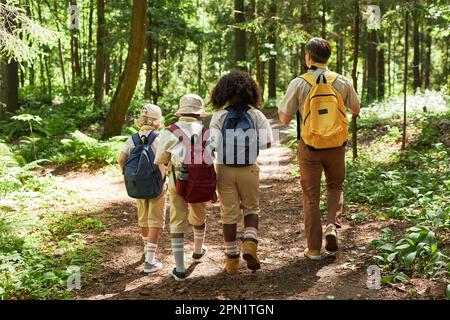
197 179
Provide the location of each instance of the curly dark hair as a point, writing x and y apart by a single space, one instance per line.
238 88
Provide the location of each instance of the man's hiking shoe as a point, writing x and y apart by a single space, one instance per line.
231 263
331 239
152 267
178 276
249 254
313 254
198 257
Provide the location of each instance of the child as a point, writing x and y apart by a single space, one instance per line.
151 212
238 179
171 152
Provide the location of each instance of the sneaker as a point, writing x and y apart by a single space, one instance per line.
178 276
312 254
198 257
331 238
152 267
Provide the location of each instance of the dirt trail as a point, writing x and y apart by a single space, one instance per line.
285 273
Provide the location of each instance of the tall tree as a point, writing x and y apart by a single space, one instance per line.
239 36
355 76
416 57
128 80
405 78
74 56
381 67
258 64
371 65
100 56
273 56
9 77
149 60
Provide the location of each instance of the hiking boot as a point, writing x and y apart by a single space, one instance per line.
331 238
198 257
152 267
312 254
178 276
231 263
249 254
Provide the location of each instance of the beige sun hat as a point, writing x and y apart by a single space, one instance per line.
151 111
191 104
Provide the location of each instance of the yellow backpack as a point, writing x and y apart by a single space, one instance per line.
324 121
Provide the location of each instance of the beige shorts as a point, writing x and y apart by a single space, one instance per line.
238 189
182 213
152 212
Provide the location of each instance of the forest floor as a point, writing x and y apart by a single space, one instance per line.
285 273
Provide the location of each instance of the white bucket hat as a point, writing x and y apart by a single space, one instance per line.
151 111
191 104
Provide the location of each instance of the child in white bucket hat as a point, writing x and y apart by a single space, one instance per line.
171 153
151 212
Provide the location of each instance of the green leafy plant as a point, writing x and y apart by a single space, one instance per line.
30 119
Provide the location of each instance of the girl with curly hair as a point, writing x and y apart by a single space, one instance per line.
238 129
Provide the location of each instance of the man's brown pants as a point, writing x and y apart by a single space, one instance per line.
312 162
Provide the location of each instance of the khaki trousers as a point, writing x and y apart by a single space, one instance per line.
182 212
312 163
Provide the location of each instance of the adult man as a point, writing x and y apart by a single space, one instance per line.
314 161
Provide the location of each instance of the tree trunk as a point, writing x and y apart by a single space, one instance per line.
90 44
273 57
199 67
405 79
389 63
323 32
158 88
239 36
372 65
74 57
427 62
149 62
339 53
107 73
416 57
381 68
258 67
9 86
355 77
100 56
128 80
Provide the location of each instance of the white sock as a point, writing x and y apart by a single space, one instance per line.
231 248
250 233
199 237
150 252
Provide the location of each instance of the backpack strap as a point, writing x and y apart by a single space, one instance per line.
179 134
151 137
136 139
309 77
331 77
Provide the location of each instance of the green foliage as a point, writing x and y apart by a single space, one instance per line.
417 253
81 148
38 245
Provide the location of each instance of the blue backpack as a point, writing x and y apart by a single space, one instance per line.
240 143
143 179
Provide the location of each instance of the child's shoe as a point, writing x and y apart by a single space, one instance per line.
152 267
313 254
231 263
198 257
249 254
178 276
331 238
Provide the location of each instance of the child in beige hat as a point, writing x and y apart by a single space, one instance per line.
171 153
